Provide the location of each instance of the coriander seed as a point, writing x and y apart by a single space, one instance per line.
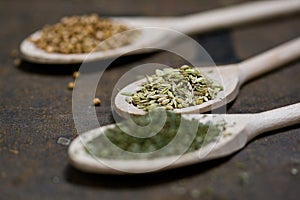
96 102
14 151
71 85
76 74
82 34
17 62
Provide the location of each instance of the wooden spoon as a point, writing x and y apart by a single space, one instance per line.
231 77
241 128
202 22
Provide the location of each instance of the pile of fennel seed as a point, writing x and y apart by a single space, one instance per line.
174 89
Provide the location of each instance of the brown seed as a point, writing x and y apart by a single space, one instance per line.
50 49
76 74
79 34
96 101
17 62
71 85
14 151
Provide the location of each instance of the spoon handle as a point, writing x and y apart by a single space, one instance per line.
269 60
274 119
236 15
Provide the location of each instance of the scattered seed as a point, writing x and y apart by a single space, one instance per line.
244 178
14 151
71 85
63 141
76 74
294 171
17 62
96 102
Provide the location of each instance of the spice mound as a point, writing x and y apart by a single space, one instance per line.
174 89
175 136
82 34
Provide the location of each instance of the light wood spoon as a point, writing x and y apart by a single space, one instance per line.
202 22
241 128
231 77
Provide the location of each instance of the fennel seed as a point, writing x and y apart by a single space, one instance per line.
174 89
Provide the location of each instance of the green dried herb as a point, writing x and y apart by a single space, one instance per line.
194 133
174 89
244 178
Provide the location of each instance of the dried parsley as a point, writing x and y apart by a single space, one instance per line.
174 89
194 133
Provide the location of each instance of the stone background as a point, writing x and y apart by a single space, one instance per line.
36 109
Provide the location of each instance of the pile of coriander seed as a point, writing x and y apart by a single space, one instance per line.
80 34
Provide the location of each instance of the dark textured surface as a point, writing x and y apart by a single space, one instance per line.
36 109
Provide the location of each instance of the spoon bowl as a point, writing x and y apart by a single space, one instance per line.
240 129
227 76
195 23
144 38
231 77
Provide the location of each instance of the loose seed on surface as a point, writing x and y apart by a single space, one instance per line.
63 141
17 62
244 178
76 74
96 102
71 85
14 151
294 171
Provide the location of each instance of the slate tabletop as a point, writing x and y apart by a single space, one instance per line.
36 110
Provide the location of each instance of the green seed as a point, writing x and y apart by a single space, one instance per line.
179 88
165 102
